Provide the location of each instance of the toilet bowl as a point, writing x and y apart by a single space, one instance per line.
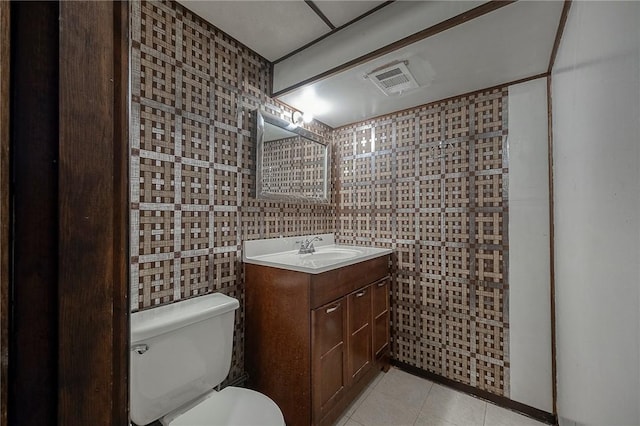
230 406
179 353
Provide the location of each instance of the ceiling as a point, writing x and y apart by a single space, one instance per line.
274 28
504 45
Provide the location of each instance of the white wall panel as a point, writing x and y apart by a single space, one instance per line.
596 130
529 246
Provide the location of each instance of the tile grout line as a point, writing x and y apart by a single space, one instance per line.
424 402
484 420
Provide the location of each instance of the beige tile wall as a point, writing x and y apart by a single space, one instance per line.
192 162
431 183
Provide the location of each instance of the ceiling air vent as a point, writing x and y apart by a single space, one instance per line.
393 78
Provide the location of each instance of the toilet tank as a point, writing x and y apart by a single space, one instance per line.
178 353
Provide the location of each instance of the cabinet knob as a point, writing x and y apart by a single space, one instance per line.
362 293
333 308
381 283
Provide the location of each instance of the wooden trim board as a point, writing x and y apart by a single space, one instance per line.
5 37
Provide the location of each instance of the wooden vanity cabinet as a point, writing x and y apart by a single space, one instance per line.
314 341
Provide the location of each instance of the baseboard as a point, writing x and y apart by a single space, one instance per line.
501 401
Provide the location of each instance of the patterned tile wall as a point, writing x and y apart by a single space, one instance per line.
192 159
431 183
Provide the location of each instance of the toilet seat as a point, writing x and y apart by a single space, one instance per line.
231 406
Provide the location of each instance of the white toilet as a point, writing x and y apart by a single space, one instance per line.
179 353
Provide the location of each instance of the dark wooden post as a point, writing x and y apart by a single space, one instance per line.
68 357
92 290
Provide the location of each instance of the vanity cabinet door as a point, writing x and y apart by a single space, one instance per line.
359 355
328 356
380 317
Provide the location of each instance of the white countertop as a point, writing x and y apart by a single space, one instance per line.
278 253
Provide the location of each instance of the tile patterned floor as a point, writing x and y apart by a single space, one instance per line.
398 398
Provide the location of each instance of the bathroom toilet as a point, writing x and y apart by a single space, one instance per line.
179 353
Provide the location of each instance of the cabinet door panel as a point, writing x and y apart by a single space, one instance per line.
328 356
380 316
331 379
329 326
359 309
359 355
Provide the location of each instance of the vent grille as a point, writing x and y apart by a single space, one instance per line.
393 78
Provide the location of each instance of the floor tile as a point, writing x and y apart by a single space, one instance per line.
454 407
426 419
376 380
397 398
404 387
342 421
378 409
498 416
354 406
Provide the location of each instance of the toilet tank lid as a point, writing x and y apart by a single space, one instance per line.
152 322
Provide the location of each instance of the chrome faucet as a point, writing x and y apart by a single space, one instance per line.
306 246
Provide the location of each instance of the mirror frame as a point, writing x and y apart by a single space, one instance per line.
263 117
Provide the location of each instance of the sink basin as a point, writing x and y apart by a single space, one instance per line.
332 254
327 256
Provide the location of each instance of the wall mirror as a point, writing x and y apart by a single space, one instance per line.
292 163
